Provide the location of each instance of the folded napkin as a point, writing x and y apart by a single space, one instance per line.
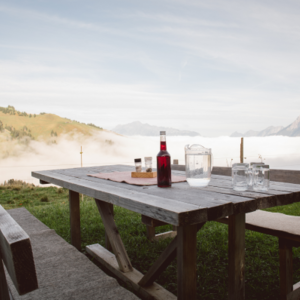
126 177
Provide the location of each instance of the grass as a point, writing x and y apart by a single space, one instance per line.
43 125
262 258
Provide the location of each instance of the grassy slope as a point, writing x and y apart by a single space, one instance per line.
42 125
262 259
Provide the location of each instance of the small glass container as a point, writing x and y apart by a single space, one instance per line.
261 178
138 164
240 176
250 175
148 164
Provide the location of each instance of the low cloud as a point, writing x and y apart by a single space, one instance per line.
19 158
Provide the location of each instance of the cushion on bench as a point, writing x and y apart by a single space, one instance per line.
276 224
62 271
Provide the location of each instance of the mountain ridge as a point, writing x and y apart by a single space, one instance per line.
292 130
144 129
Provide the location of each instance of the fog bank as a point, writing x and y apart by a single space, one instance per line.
18 159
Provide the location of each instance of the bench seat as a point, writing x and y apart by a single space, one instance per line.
276 224
62 271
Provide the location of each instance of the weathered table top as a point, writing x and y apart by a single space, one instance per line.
178 205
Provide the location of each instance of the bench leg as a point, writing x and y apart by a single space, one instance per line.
4 293
150 233
186 262
236 249
286 268
74 204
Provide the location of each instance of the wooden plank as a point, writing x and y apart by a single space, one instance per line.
165 235
4 293
108 261
17 256
291 176
270 231
167 256
286 268
107 242
114 236
74 204
186 262
216 203
236 254
295 294
152 222
171 211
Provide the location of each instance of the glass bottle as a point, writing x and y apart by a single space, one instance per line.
163 163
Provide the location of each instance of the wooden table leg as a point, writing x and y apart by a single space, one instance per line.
236 249
107 242
74 204
114 236
286 268
186 262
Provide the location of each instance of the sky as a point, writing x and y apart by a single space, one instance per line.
214 67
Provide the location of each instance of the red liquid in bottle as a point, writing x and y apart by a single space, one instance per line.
163 165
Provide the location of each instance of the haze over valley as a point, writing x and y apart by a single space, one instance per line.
46 141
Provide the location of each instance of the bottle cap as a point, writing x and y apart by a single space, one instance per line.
162 133
137 160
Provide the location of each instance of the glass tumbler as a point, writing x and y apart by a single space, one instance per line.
261 178
250 175
240 176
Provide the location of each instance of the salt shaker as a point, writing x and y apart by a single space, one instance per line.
138 164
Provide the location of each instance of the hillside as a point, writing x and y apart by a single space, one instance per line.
40 126
138 128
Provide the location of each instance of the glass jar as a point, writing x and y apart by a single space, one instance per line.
148 164
250 175
138 164
240 176
261 178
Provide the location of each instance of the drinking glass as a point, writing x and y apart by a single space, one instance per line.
261 178
250 173
240 176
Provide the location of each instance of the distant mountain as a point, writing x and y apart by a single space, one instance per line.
138 128
291 130
272 130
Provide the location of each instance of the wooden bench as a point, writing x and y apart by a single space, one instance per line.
31 250
16 254
286 228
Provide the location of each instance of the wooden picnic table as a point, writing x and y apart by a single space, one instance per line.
182 206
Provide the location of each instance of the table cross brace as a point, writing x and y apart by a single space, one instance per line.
114 236
167 256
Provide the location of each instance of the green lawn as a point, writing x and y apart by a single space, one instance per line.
50 205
